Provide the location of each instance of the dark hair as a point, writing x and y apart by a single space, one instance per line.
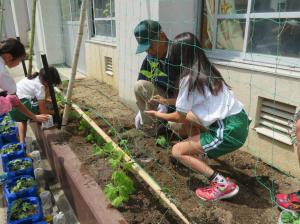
53 75
12 46
185 52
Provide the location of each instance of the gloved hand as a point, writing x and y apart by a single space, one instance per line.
162 108
138 121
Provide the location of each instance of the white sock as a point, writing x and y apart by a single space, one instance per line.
220 179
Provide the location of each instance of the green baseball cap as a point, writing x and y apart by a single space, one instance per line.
145 32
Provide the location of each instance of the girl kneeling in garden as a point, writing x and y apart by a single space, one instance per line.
32 93
204 93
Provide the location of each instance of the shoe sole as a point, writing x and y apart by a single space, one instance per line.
232 194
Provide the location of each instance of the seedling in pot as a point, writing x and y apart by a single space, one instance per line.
7 121
9 149
21 210
19 164
22 184
6 129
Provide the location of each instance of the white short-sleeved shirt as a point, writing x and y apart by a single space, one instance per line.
31 89
208 108
7 83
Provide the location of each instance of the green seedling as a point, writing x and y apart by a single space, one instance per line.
162 142
6 129
112 131
11 148
73 116
22 184
18 164
21 209
154 72
290 218
83 125
90 138
119 189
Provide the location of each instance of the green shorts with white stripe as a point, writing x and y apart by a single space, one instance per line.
225 136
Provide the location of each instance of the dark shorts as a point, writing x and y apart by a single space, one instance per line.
225 136
16 115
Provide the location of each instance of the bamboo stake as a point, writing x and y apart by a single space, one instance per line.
75 62
32 36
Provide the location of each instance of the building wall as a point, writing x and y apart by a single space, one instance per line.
248 85
95 62
70 33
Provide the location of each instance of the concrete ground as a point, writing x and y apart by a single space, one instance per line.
62 203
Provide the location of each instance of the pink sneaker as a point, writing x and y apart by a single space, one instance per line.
289 202
217 191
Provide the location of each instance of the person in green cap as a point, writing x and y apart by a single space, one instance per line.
154 88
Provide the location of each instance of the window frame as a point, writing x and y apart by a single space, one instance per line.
244 56
93 19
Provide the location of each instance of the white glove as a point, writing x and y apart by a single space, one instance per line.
162 108
138 121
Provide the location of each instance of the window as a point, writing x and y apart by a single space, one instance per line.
71 9
256 30
104 24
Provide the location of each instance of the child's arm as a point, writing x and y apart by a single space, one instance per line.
162 100
28 113
43 109
175 116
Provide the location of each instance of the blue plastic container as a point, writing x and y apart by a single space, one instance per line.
13 155
30 219
2 116
27 171
11 196
1 142
41 222
12 136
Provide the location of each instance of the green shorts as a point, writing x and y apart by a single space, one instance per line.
225 136
16 115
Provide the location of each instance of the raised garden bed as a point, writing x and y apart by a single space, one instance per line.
257 181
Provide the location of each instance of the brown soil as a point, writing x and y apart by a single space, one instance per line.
257 181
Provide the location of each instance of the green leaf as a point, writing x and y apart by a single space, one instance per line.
117 201
89 138
147 74
110 191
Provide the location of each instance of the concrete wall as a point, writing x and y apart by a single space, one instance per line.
70 33
248 85
22 18
95 62
49 35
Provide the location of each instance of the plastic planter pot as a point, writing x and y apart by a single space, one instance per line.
28 192
13 171
6 157
2 116
11 136
18 205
